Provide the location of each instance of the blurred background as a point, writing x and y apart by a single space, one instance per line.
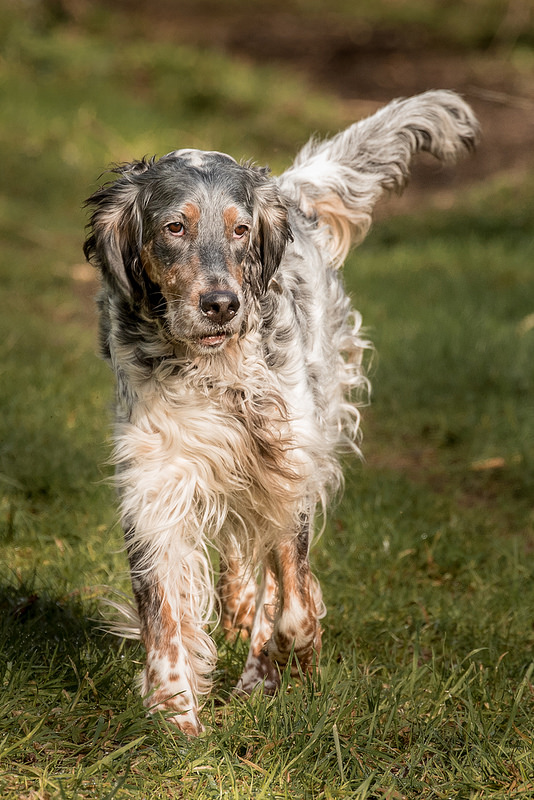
365 53
187 62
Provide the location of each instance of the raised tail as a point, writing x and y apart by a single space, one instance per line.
338 181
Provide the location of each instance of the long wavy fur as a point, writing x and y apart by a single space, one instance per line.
234 447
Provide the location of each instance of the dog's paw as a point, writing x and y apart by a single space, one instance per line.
259 671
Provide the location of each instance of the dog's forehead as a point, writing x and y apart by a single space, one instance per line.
209 180
201 158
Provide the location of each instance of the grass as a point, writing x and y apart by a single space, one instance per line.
426 687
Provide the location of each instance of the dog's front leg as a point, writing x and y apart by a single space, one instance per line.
297 631
179 653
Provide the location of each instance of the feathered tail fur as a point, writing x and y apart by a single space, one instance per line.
340 180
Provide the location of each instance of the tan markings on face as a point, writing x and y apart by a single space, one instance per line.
231 217
175 282
170 280
184 279
150 264
191 213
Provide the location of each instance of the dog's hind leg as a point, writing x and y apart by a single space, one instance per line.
236 589
286 624
296 631
259 670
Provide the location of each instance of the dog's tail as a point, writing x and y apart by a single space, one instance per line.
339 181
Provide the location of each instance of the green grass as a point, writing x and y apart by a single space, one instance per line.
426 687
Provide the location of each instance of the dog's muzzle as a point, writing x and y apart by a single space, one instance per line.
219 308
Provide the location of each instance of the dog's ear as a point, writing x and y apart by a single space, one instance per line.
271 228
115 229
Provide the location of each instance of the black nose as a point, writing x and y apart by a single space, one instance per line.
219 307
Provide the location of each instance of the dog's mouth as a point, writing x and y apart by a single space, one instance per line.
203 340
214 340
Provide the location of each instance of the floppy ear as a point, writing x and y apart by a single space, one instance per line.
115 229
271 229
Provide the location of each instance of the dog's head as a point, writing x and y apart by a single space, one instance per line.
187 239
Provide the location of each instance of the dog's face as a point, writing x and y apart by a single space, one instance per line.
188 239
197 236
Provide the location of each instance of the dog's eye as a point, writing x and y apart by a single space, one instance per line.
176 228
240 231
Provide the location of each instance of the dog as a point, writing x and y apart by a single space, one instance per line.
239 372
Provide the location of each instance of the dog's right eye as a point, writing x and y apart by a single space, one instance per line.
176 228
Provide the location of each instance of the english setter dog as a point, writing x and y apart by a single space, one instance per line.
238 362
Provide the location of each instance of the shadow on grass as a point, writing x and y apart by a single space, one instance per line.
55 639
65 638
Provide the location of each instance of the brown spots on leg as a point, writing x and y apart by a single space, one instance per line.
187 727
169 682
185 719
259 669
237 594
297 632
302 647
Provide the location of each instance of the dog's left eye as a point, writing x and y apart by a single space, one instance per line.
176 228
240 231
